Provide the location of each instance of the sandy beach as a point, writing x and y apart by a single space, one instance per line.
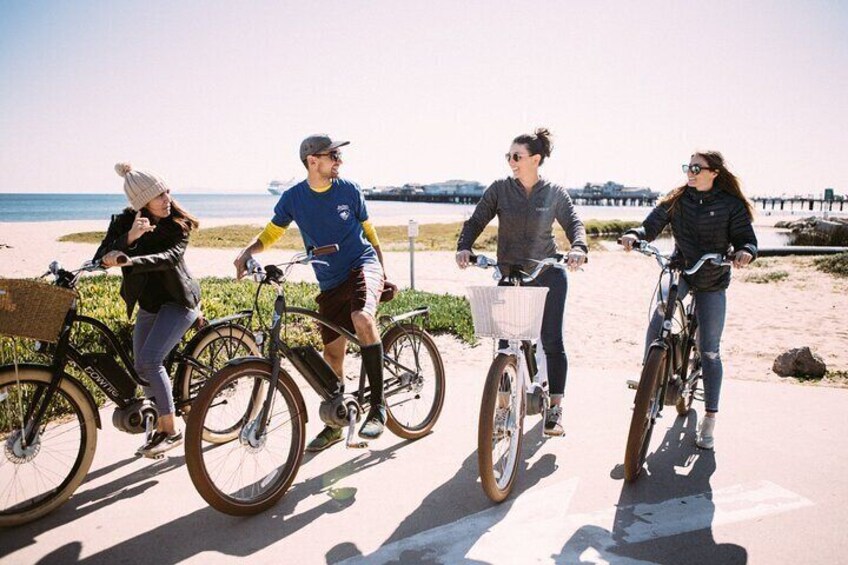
607 307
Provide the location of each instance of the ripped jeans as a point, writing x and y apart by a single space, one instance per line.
710 310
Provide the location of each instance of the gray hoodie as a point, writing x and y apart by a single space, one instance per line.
525 223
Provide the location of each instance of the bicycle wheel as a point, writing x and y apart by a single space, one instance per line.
646 406
690 384
501 426
213 350
414 386
248 474
37 479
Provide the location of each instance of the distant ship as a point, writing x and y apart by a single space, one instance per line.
279 187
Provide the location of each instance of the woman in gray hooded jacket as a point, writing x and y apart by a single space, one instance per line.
527 206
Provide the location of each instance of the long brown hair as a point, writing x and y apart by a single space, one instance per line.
725 181
183 218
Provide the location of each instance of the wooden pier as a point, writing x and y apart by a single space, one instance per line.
800 203
473 199
418 197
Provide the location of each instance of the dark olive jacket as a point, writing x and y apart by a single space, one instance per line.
703 222
158 254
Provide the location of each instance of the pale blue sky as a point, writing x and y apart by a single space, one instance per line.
217 96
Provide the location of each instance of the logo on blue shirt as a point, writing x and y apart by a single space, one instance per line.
344 211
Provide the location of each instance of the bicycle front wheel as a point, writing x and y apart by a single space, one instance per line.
213 350
501 427
646 406
414 381
253 471
36 479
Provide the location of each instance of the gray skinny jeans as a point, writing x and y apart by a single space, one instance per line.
154 336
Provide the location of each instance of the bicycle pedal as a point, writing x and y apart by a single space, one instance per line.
698 394
356 444
631 384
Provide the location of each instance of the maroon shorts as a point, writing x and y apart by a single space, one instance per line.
361 291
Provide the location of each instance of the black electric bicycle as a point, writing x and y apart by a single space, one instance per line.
254 470
49 420
672 370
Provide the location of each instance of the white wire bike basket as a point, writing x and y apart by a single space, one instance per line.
507 312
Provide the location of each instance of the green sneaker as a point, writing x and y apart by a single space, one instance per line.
374 423
325 439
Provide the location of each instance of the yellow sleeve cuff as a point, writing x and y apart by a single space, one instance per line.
370 233
270 235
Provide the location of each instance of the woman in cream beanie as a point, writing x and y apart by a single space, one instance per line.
148 241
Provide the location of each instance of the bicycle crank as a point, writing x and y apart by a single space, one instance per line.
351 431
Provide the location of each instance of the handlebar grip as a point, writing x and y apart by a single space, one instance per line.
325 250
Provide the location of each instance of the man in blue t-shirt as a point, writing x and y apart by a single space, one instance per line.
329 210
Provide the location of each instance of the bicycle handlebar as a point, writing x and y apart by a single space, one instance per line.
273 274
484 262
664 261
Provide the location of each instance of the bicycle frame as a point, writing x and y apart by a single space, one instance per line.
278 347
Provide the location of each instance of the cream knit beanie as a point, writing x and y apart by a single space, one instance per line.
140 187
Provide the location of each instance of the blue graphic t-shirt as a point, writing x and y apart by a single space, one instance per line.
325 218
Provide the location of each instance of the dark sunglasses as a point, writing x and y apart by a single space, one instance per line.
334 156
516 157
696 169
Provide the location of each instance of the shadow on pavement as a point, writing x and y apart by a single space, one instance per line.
450 502
677 469
87 501
208 530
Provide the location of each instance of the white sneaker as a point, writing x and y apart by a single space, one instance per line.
705 439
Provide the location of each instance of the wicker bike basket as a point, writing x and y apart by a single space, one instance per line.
507 312
32 309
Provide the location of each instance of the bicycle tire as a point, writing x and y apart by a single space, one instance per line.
646 403
687 391
70 406
497 480
270 485
404 400
214 348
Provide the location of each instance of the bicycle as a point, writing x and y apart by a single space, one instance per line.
514 386
49 420
253 471
672 368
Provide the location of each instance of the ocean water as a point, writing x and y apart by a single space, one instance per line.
56 207
53 207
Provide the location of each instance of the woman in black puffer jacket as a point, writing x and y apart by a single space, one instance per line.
709 214
148 242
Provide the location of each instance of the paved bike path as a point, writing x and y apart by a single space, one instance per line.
774 491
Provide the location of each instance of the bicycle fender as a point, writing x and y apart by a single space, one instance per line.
66 377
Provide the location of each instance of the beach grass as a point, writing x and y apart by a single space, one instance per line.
431 237
765 277
833 264
100 299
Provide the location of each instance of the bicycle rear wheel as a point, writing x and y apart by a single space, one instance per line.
414 383
248 474
500 429
38 478
646 406
213 350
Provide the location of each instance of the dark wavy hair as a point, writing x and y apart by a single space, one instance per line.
186 221
540 142
725 181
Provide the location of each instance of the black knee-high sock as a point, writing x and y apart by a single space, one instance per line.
372 359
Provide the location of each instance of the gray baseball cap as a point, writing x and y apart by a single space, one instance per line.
319 143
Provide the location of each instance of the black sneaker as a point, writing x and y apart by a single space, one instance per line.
374 423
327 437
160 442
553 421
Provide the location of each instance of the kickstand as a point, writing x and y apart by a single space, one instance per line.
351 431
